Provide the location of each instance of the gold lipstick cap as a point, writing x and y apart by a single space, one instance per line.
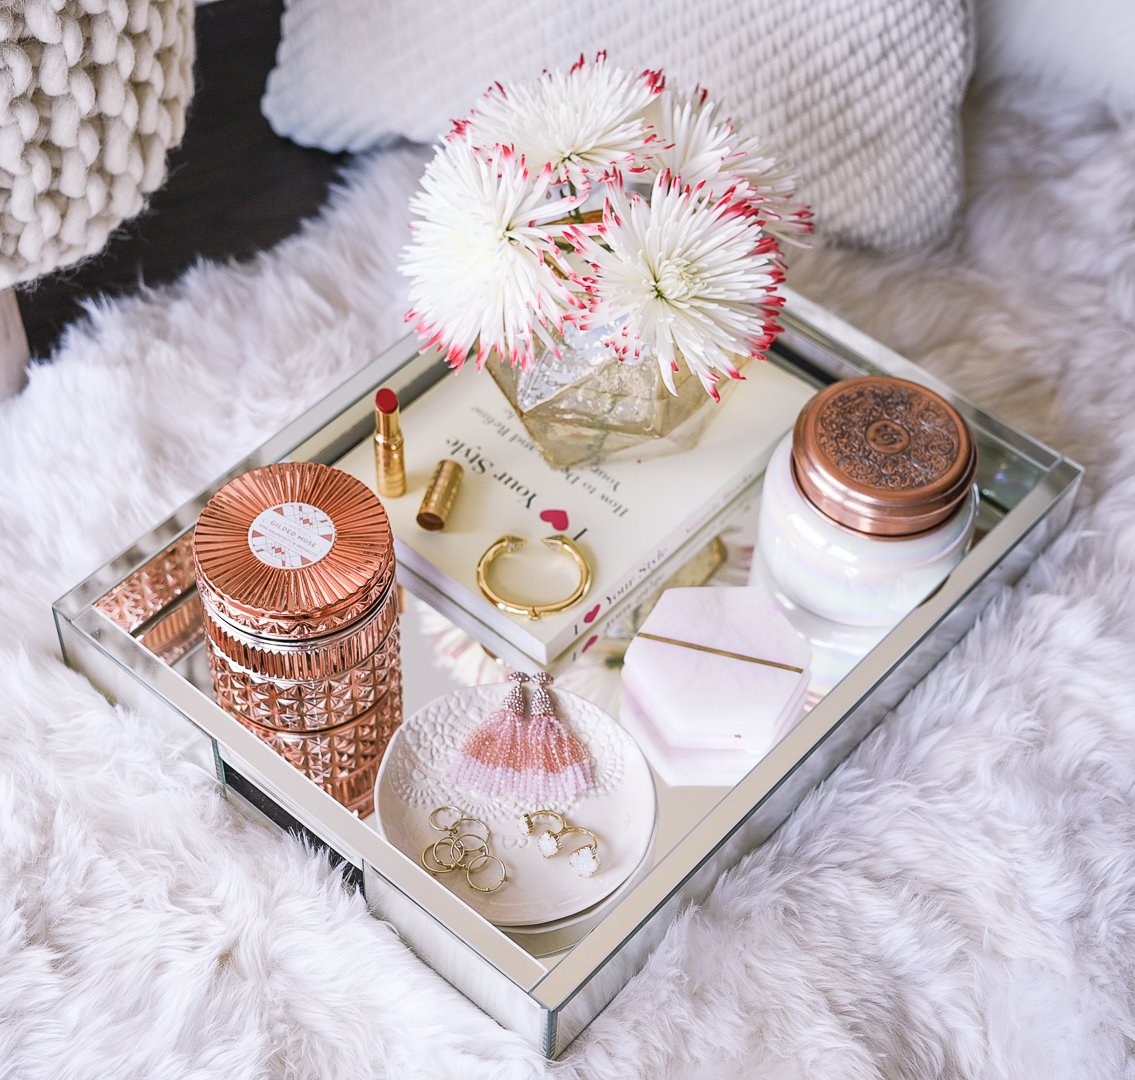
440 494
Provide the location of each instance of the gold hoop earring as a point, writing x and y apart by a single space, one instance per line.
457 850
478 862
438 827
507 544
443 866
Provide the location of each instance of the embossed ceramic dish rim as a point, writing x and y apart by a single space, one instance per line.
539 890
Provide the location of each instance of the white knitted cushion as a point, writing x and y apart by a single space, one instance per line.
92 93
861 96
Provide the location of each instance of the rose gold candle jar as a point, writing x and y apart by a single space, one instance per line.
295 567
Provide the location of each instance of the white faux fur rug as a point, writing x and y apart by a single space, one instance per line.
958 900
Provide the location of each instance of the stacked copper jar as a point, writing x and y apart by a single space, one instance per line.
295 568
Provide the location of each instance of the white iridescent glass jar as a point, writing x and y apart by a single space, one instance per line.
870 502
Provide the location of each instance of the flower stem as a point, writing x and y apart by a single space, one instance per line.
575 214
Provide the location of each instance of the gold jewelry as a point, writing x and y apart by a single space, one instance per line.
508 544
478 863
451 830
479 847
446 828
527 826
548 843
457 850
443 866
583 860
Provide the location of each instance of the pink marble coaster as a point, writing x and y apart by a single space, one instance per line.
703 700
679 766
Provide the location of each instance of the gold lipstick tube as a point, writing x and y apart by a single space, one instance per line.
389 462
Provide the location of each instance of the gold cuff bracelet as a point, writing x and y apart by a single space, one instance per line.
558 542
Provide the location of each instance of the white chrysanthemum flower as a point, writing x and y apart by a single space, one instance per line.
482 270
693 144
581 123
685 275
689 143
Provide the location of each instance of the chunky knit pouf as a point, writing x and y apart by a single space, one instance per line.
92 94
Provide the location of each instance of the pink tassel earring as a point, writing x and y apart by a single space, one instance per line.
559 766
494 757
537 763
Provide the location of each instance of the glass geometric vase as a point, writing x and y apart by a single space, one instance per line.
587 405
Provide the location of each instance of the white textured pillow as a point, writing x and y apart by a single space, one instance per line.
861 97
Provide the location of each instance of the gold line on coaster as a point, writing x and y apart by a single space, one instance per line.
720 652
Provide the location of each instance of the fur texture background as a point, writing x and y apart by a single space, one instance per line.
1087 48
958 900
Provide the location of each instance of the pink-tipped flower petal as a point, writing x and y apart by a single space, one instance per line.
686 274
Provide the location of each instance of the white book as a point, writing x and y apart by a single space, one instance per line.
628 516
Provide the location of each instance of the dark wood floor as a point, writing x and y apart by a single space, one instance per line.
234 186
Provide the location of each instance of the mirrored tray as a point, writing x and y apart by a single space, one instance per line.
134 627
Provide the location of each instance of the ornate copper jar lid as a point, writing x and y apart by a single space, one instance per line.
293 551
883 456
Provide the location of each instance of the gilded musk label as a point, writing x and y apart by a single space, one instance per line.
290 535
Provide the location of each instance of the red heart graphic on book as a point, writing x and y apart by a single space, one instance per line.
592 613
590 641
558 519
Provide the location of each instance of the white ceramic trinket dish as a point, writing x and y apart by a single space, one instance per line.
621 808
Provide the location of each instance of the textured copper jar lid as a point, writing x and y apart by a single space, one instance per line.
883 456
297 550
